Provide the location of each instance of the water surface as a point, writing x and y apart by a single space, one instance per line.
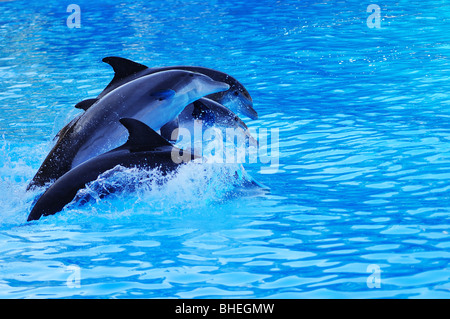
361 192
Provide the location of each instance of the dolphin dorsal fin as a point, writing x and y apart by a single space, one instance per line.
123 67
141 137
85 104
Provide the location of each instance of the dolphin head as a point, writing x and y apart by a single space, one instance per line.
188 85
237 98
180 82
215 114
201 85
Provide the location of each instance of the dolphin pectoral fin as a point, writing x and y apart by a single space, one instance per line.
85 104
164 94
168 129
141 137
123 67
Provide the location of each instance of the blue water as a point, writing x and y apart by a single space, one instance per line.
358 206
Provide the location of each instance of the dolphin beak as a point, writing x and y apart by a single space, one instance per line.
247 109
221 86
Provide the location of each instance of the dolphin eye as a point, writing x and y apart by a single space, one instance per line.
236 93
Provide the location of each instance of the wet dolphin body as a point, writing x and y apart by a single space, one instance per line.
236 98
154 99
144 149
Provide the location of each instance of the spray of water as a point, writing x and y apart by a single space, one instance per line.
122 191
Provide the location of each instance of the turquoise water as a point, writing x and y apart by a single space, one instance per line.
358 207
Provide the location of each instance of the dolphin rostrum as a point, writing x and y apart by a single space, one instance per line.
144 149
154 99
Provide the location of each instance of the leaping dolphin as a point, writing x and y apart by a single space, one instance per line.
236 98
154 99
144 149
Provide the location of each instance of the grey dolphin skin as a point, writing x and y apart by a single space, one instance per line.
236 98
154 99
144 149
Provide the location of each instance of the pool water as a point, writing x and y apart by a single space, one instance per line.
357 207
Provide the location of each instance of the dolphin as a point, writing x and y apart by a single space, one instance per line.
144 149
236 98
211 114
154 99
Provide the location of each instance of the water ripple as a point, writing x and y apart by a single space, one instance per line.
362 184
